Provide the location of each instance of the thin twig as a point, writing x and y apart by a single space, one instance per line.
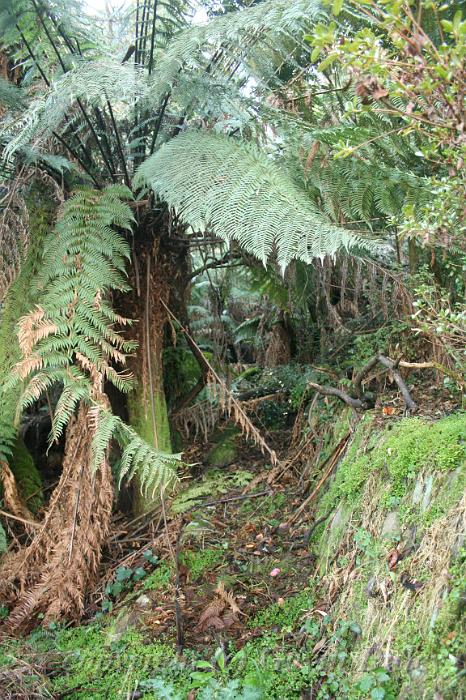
228 499
21 520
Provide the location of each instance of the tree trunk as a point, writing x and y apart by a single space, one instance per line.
159 274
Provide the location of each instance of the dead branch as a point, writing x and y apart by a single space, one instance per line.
340 394
362 373
229 499
456 376
31 523
365 402
392 366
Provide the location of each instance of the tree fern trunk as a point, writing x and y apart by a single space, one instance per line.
147 405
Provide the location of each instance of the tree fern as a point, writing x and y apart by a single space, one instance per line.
240 193
94 82
236 37
69 338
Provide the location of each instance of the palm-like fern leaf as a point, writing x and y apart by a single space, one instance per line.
219 183
234 39
92 82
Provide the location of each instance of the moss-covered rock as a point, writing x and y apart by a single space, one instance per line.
224 450
399 453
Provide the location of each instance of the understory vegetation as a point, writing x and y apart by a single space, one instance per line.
232 344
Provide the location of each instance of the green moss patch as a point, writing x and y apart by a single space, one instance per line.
201 561
285 615
412 444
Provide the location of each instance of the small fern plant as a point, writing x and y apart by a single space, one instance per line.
69 339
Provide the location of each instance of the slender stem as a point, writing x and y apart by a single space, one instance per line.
103 128
120 149
159 123
145 20
97 140
141 34
47 82
48 35
136 34
152 39
78 158
80 104
31 53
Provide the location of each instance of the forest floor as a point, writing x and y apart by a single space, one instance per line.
222 594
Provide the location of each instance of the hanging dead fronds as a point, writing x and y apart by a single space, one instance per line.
231 407
198 420
226 401
53 574
11 499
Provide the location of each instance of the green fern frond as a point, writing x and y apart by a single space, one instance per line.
3 540
38 206
218 183
261 35
155 470
70 335
106 424
247 330
70 397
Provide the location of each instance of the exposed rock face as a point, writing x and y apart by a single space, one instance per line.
391 525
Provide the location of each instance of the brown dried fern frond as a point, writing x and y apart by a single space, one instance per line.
11 499
198 420
230 406
221 612
53 574
34 327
